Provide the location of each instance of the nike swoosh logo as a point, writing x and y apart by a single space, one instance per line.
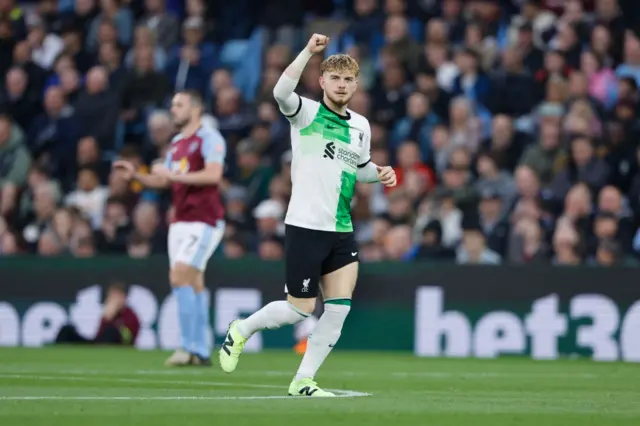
330 127
354 253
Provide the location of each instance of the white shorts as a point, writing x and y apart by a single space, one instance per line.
193 243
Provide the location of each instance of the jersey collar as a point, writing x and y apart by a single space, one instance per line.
346 117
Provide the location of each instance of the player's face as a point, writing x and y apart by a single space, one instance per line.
339 87
181 110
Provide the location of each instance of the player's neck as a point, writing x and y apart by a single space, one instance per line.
333 107
191 128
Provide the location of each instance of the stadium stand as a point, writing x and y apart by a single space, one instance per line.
512 125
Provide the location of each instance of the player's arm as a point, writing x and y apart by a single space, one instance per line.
213 150
153 181
369 172
284 91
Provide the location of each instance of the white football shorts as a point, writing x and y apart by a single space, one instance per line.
193 243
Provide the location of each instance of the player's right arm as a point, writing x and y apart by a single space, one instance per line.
289 102
152 181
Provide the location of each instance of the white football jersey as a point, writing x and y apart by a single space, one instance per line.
327 149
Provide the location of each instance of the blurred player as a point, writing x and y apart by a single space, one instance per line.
193 168
330 146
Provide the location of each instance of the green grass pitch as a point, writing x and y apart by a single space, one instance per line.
112 386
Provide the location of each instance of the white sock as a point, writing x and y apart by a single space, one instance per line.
325 335
272 316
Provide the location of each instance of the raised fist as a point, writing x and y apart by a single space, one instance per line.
317 43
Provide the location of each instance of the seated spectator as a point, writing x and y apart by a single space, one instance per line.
53 134
145 38
506 144
430 246
473 249
271 249
397 242
494 227
14 164
526 243
584 166
116 15
119 324
72 38
115 227
138 247
409 160
472 82
234 248
110 57
492 179
45 46
36 75
193 35
417 126
143 88
97 109
147 227
566 245
163 25
543 157
17 100
89 196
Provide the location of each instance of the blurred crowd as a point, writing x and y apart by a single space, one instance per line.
512 125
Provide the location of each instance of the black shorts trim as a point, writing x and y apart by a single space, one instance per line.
364 164
297 110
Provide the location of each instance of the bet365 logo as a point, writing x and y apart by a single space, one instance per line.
598 324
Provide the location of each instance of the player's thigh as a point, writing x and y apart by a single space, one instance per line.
305 250
174 241
198 243
340 283
340 269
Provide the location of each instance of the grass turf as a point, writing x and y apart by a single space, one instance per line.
106 386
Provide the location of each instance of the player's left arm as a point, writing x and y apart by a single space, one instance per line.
213 150
370 172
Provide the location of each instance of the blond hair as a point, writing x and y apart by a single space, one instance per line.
340 63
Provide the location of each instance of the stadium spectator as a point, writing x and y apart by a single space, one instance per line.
118 17
90 197
164 26
144 37
115 227
146 228
45 46
17 99
97 109
119 324
473 248
143 89
14 164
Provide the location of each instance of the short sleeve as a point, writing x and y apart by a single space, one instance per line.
213 147
365 155
167 159
304 114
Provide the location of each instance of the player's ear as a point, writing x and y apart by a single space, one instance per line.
321 79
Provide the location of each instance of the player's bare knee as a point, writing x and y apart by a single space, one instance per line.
183 275
198 284
304 305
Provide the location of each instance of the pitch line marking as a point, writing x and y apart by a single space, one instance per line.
341 393
393 374
149 398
